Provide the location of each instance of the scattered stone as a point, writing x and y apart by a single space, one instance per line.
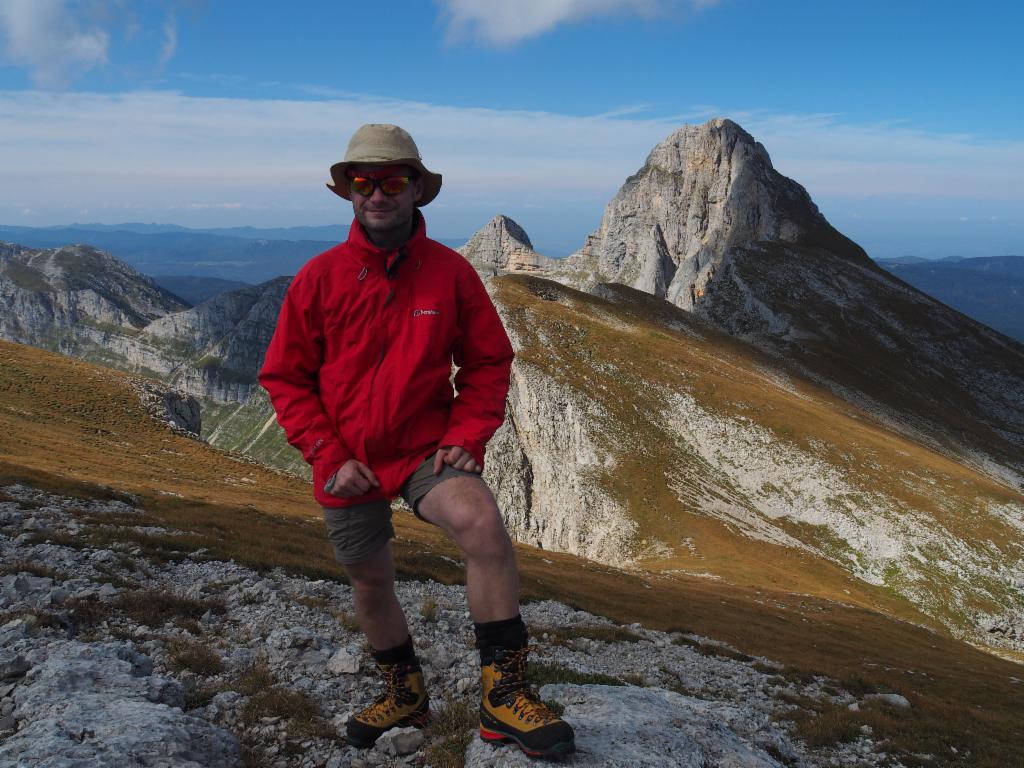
400 741
343 663
892 699
13 668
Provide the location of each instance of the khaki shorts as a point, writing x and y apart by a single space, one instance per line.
358 532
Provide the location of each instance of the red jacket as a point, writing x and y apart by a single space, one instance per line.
353 374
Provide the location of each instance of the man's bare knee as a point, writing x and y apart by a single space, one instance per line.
373 575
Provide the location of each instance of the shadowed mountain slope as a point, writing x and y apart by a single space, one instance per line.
988 289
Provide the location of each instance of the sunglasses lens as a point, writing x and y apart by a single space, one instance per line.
394 185
362 186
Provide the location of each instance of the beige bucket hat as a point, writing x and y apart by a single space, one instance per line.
382 144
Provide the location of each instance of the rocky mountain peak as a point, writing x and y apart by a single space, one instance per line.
703 190
503 246
709 225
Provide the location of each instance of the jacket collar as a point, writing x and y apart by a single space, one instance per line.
370 255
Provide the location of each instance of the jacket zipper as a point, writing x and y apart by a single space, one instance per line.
390 273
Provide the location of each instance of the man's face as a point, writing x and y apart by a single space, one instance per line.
386 217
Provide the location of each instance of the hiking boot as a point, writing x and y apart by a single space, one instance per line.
404 702
510 709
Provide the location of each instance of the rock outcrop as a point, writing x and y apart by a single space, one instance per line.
503 246
543 459
177 410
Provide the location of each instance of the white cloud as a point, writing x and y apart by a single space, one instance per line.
50 39
170 40
169 157
503 23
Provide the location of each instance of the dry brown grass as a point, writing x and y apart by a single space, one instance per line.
30 567
155 607
195 657
279 702
962 697
255 678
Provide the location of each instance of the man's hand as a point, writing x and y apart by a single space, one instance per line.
457 457
353 479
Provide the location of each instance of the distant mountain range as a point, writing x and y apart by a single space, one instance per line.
242 254
989 289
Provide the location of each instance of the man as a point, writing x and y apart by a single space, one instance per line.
359 373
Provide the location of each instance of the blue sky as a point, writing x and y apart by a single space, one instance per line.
904 120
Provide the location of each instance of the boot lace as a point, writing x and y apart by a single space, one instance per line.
513 690
384 708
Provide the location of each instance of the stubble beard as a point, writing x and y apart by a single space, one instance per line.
388 235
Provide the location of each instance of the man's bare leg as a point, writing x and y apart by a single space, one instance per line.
465 509
510 709
377 608
404 701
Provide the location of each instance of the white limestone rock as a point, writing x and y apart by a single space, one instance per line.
344 662
638 727
400 741
98 705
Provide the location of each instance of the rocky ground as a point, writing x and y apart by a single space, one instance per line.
110 656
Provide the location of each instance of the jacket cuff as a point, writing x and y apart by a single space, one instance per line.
474 448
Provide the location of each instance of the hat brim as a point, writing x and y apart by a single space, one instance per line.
339 183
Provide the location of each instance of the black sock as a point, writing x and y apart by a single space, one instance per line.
505 633
400 654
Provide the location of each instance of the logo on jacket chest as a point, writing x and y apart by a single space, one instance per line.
419 312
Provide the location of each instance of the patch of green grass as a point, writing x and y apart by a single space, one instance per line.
27 278
542 674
